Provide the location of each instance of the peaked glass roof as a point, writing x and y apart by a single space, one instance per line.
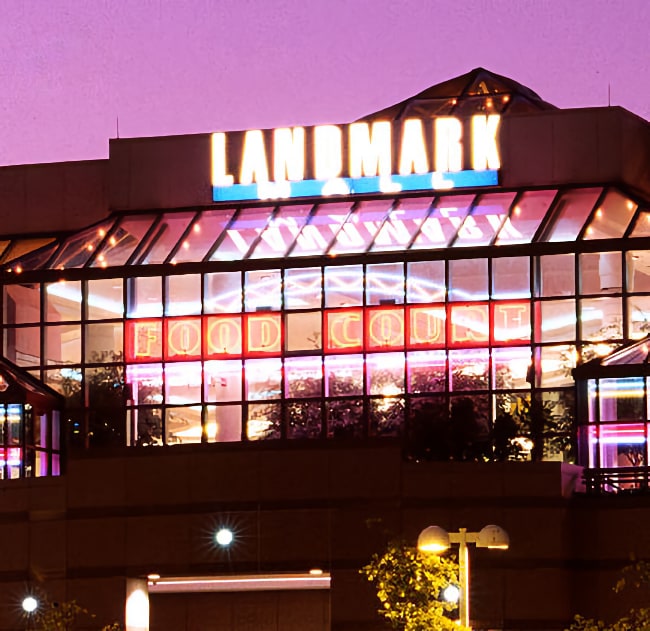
345 227
478 91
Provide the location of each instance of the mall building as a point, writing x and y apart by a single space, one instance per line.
322 338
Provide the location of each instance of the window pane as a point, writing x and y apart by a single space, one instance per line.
262 290
105 299
557 362
242 234
385 373
264 421
344 418
223 380
304 376
526 217
511 277
570 214
145 297
303 288
343 286
263 378
557 321
385 284
402 225
183 425
183 295
469 369
359 230
204 233
104 342
468 280
510 368
425 281
63 344
223 423
79 248
441 226
183 383
642 225
386 416
165 237
117 249
281 231
638 270
223 292
22 304
427 371
303 331
557 276
22 346
638 317
485 220
601 273
63 301
324 225
601 319
304 419
612 217
344 375
621 399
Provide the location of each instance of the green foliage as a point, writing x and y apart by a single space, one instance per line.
409 587
64 616
636 576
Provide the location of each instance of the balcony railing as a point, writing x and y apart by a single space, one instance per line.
629 480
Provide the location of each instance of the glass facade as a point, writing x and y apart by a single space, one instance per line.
338 319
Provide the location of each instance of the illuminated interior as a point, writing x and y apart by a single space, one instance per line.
354 347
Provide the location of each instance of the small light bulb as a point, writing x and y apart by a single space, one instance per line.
30 604
224 537
451 593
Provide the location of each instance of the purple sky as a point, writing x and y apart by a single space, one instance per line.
70 68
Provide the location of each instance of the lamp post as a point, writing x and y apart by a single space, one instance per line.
436 539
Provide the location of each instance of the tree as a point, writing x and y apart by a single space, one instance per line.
636 576
64 616
409 587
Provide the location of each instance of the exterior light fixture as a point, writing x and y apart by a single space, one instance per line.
451 593
4 383
30 604
224 537
436 539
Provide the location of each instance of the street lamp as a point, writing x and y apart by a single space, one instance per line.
436 539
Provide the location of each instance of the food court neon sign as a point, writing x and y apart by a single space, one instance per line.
344 330
377 157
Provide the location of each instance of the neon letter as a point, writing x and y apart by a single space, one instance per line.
449 148
263 333
219 175
328 161
184 337
413 152
253 164
427 326
289 154
485 152
223 336
370 152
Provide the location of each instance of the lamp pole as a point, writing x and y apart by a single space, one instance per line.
463 573
437 539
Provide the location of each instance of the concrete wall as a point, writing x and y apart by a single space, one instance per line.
45 198
140 511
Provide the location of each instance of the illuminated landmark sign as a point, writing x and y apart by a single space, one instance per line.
378 157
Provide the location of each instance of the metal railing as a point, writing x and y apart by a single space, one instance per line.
628 480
